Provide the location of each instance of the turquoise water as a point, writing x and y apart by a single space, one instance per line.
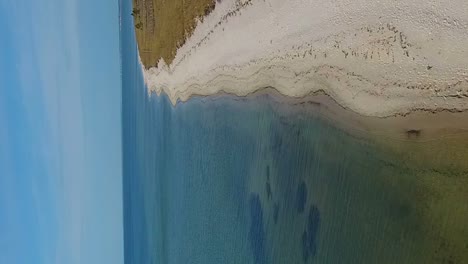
230 180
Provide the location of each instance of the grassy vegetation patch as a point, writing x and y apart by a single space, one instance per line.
163 25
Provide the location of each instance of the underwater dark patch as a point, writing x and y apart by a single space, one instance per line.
268 184
309 236
277 143
268 189
305 247
257 233
275 212
301 197
400 209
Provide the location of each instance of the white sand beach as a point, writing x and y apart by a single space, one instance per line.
377 58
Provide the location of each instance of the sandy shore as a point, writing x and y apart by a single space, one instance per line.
417 126
377 58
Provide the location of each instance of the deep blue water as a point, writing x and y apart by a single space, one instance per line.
230 180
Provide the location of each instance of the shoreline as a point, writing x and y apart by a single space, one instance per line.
386 63
428 141
416 126
419 139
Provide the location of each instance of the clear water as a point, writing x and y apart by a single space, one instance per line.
230 180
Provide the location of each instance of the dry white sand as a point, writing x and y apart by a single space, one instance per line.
377 58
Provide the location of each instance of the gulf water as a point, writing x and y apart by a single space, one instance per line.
240 180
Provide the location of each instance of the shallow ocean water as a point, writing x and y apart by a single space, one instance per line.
230 180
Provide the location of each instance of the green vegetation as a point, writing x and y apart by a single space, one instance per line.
135 12
163 26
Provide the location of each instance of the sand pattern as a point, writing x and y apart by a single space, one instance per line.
377 59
